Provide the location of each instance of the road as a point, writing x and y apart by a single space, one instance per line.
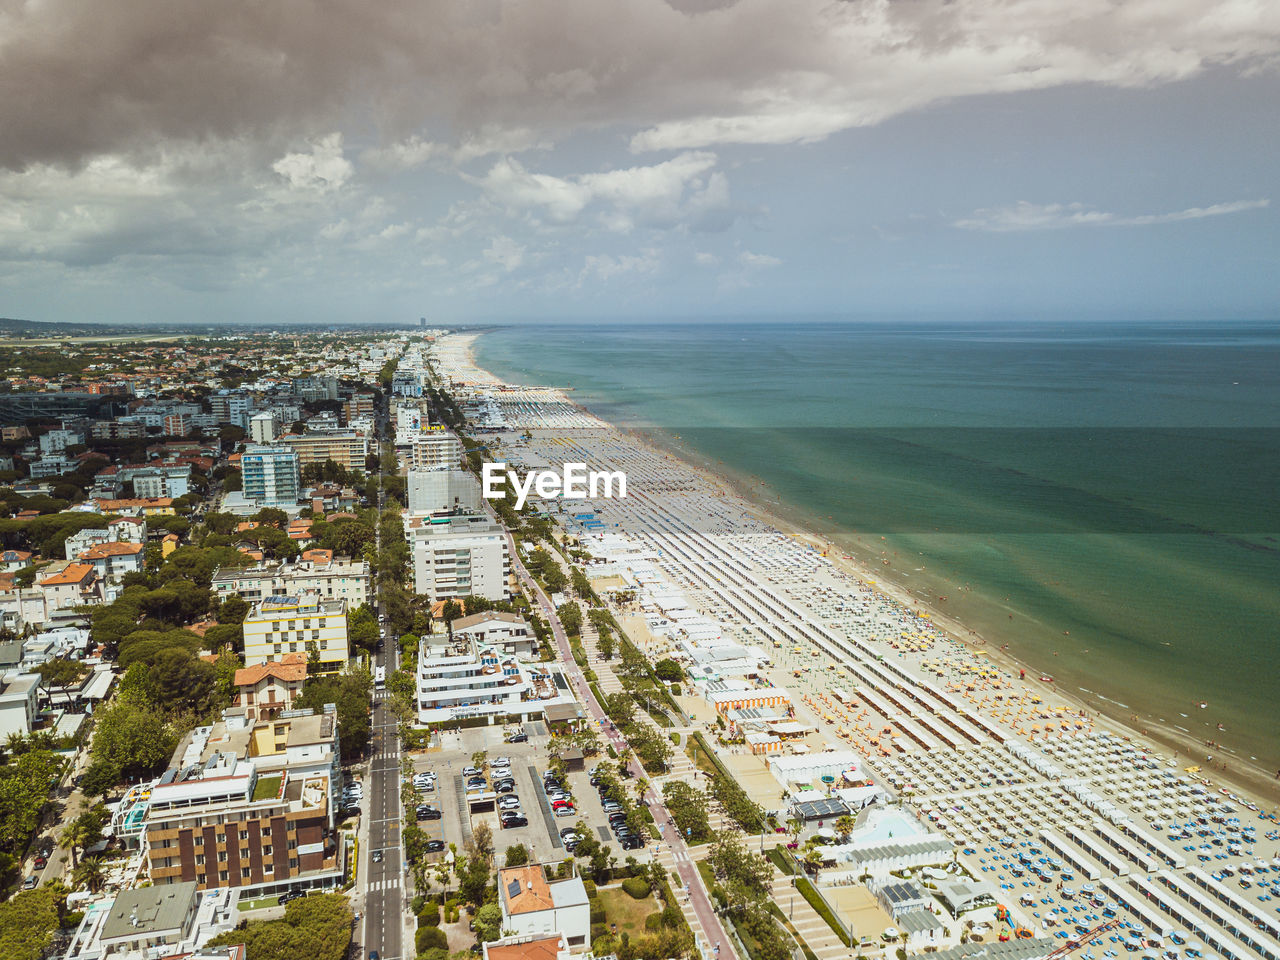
698 898
384 890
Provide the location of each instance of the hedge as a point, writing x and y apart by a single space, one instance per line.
636 887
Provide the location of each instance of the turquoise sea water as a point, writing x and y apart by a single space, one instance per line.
1101 497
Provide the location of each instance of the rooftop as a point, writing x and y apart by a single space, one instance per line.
148 911
524 890
72 573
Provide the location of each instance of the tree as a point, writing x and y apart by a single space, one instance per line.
606 645
689 809
84 831
28 923
90 874
317 927
570 615
668 670
746 876
233 610
844 827
131 740
271 516
350 693
517 855
488 922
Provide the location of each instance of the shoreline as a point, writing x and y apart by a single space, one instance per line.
1243 776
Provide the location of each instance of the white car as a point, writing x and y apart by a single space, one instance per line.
509 803
500 762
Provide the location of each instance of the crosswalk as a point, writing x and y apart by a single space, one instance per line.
391 883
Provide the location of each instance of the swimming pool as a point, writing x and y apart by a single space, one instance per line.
883 826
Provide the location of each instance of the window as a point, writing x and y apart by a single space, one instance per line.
199 859
222 875
244 873
293 863
315 634
266 851
222 856
244 834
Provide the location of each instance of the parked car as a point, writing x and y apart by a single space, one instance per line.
428 813
515 821
518 738
435 846
377 856
30 883
470 771
568 811
632 843
40 861
509 803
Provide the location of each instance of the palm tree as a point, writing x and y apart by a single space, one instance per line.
844 827
90 874
73 835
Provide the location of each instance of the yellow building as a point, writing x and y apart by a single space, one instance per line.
343 447
279 625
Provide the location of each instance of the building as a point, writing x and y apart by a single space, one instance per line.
266 690
459 679
533 906
146 922
270 476
534 947
460 556
434 450
167 481
19 693
282 624
13 560
359 407
344 447
148 917
119 530
247 805
55 442
443 490
507 632
73 585
317 573
264 428
112 560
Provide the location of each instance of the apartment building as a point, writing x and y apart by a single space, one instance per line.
269 689
359 407
503 631
18 703
270 475
460 556
344 447
247 805
264 428
443 491
434 450
459 678
316 574
283 624
532 905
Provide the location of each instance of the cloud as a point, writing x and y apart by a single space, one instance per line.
758 261
324 168
121 76
1024 216
666 194
505 252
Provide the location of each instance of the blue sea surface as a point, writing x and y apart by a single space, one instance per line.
1102 497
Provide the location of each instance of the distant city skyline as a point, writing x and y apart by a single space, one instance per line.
647 159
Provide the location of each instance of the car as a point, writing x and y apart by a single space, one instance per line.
40 861
377 856
518 738
561 802
500 762
632 843
30 883
470 771
476 781
568 832
428 813
505 787
515 822
373 955
611 806
568 811
351 810
507 779
618 817
511 802
435 846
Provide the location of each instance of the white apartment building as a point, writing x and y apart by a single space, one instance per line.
18 693
461 556
329 578
443 491
503 631
434 450
264 428
460 678
282 624
532 905
270 476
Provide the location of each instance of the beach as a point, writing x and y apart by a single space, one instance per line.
987 756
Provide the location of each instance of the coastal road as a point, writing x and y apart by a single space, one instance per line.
698 898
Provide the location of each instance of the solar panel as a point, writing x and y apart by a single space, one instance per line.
513 889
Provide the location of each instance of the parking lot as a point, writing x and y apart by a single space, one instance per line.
541 835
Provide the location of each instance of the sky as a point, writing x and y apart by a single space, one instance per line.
612 159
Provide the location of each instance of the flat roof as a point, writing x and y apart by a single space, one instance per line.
147 911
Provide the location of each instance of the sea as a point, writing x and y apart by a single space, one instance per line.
1101 497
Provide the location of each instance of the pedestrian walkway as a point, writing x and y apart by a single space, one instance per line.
809 925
